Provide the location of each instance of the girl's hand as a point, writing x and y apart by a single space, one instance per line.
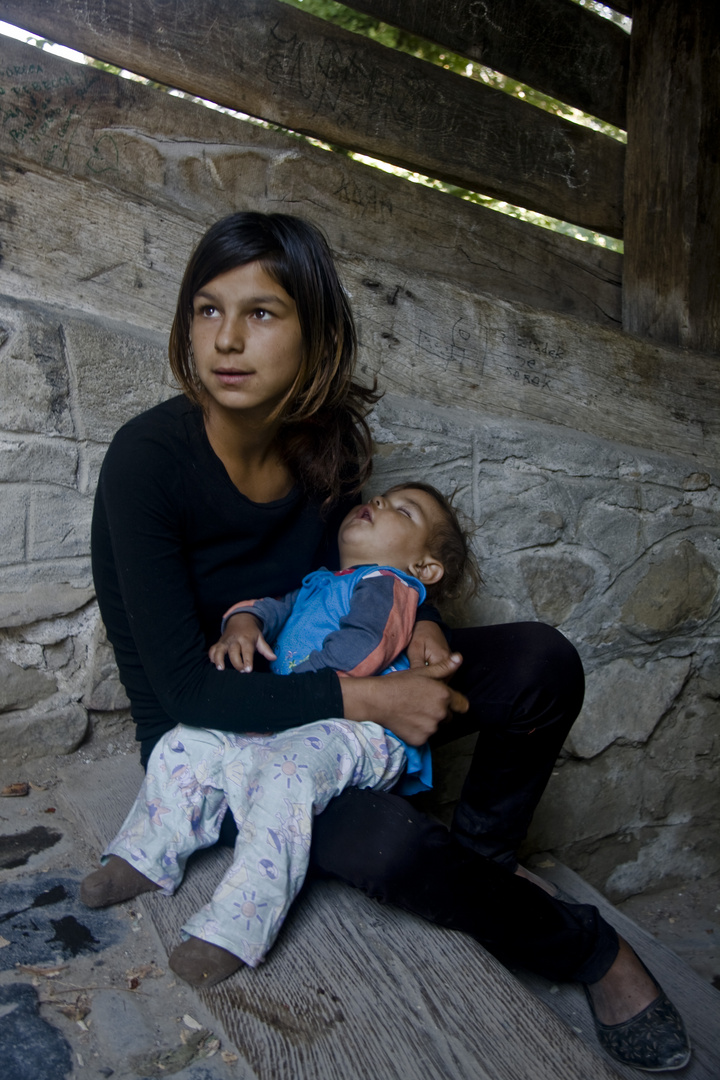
428 645
241 639
412 704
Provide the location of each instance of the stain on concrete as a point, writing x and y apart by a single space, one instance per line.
16 849
44 922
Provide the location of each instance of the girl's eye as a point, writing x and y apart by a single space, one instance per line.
404 511
261 313
206 310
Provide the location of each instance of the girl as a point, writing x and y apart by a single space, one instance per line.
237 488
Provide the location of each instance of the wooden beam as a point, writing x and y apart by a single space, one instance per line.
120 258
671 290
267 59
175 155
556 46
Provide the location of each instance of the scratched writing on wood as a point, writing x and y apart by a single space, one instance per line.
47 112
458 348
349 84
528 358
366 198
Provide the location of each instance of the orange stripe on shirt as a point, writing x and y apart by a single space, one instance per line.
396 634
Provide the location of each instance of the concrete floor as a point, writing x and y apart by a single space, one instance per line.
86 993
73 1006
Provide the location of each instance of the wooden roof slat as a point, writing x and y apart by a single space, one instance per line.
555 46
122 135
265 58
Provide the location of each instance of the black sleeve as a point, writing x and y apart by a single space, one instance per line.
427 613
148 606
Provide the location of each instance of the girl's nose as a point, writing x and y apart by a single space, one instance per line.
378 500
229 337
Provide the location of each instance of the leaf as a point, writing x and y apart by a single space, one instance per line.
16 790
145 971
78 1010
191 1022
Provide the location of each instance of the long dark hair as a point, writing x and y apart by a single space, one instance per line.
324 437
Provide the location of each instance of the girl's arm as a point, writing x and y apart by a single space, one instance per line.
412 704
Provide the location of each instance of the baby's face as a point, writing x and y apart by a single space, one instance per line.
391 529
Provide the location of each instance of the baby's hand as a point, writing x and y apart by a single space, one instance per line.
241 638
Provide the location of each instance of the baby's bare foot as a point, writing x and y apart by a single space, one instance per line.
202 964
114 882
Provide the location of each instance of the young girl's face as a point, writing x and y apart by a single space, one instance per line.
246 339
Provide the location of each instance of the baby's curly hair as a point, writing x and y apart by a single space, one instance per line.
449 543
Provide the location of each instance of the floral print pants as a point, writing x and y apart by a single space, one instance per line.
273 786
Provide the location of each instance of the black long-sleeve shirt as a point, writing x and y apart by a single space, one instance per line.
173 542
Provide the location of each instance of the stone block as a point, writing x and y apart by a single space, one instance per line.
35 734
121 372
75 573
42 600
107 693
586 802
13 527
666 856
21 688
25 459
675 590
59 524
556 584
612 530
625 702
34 380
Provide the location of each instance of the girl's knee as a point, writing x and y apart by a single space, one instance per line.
370 840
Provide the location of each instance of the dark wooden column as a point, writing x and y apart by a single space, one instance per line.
671 286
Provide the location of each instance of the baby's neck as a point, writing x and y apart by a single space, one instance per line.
347 562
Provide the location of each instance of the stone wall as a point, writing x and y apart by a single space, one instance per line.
66 385
618 547
587 459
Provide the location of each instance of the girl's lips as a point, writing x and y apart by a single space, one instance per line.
365 514
231 378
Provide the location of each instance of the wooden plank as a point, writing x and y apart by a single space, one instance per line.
671 285
150 145
697 1000
424 337
352 988
556 46
285 66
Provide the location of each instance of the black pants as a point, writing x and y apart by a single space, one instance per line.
525 685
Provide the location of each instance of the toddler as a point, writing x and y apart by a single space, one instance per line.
394 550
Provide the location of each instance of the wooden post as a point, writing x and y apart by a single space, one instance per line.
671 285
